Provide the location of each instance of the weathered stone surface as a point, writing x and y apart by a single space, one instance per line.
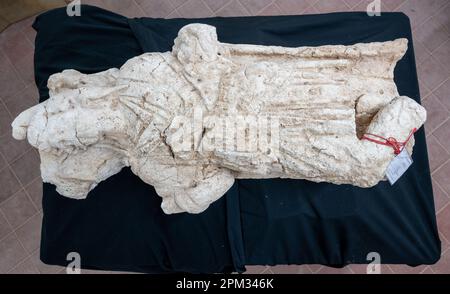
301 110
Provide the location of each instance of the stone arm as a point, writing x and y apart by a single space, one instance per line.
350 160
79 131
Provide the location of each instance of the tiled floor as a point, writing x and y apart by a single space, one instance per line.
20 185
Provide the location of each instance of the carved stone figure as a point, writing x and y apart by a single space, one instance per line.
303 112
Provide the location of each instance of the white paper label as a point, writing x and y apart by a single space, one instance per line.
398 166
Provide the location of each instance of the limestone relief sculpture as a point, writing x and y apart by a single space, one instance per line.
191 121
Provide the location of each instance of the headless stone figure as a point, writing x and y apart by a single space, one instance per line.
304 110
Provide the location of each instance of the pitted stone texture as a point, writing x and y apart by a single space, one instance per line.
323 100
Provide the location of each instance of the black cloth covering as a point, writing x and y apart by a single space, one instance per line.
120 226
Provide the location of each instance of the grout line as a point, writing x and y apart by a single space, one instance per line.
63 268
7 235
243 7
9 199
38 209
28 185
406 266
441 236
142 10
439 167
354 5
428 51
25 87
398 5
21 245
21 30
424 269
176 12
265 269
26 193
13 67
313 9
246 9
7 109
18 240
439 64
8 112
31 181
26 222
437 87
144 13
439 143
313 6
422 90
349 9
22 262
415 41
181 6
277 6
261 10
4 159
173 4
440 187
346 4
442 254
39 260
442 122
207 6
310 6
35 251
390 268
22 186
8 223
441 45
18 156
25 35
299 270
431 16
218 10
440 210
31 41
314 272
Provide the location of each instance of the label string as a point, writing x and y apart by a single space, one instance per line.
390 142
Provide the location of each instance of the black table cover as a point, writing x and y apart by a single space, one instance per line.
120 226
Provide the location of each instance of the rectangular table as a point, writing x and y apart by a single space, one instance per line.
120 226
